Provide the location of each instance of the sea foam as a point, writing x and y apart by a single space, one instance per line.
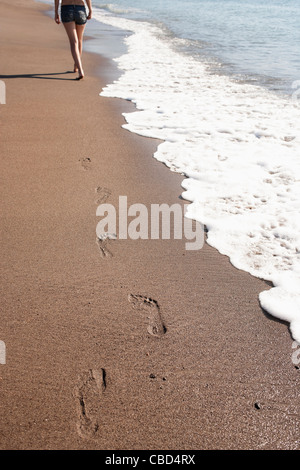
238 147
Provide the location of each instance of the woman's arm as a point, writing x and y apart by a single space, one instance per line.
56 14
89 5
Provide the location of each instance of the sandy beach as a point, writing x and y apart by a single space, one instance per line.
116 344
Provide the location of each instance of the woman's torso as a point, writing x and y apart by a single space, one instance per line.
72 2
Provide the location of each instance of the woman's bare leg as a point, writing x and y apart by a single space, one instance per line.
80 30
74 45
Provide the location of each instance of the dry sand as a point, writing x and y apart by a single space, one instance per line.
82 370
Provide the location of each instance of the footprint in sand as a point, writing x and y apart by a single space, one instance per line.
102 245
92 384
156 326
85 163
102 194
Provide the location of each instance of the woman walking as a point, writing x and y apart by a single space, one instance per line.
74 17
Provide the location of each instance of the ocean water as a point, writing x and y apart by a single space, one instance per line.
250 39
218 81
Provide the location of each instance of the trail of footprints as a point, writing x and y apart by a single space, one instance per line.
156 326
92 384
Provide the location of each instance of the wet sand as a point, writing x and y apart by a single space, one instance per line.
121 344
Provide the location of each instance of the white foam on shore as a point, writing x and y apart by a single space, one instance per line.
238 146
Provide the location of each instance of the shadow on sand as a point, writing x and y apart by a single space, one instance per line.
42 76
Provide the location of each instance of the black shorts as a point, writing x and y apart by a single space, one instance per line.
75 13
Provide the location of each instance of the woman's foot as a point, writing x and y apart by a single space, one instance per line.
75 69
80 77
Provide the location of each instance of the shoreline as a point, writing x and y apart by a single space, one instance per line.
76 318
